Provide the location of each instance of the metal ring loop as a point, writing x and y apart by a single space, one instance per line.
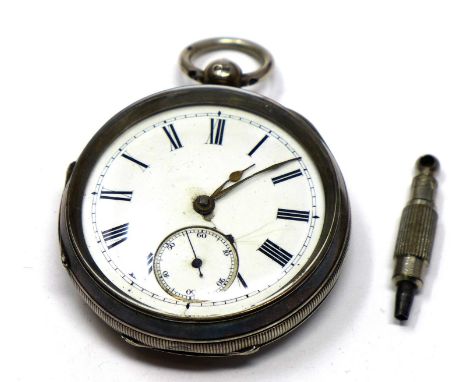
225 72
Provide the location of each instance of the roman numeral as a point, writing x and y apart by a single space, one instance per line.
217 131
275 252
287 176
117 195
115 236
257 145
302 216
149 262
242 281
131 159
172 136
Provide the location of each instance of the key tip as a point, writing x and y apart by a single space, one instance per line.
404 299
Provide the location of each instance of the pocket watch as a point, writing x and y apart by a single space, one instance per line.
205 220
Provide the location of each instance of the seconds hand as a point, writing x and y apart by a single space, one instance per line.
196 262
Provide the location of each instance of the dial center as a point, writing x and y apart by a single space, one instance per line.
204 204
197 263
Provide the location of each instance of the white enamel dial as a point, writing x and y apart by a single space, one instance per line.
260 237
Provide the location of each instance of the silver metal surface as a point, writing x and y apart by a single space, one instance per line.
245 345
223 71
417 227
416 236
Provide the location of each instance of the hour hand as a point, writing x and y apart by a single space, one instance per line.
223 191
233 177
205 204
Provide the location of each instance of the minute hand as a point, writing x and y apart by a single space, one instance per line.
221 193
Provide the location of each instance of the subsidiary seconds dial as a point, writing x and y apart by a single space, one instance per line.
196 263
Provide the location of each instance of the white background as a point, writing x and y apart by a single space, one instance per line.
383 81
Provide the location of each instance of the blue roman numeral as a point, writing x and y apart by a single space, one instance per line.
302 216
287 176
217 131
275 252
115 236
117 195
136 161
172 136
261 142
